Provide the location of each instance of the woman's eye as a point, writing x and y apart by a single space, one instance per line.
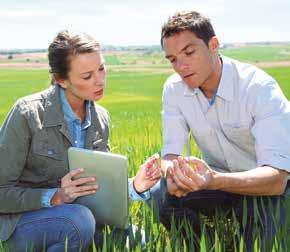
87 77
101 68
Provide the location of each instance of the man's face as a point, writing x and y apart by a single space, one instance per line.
191 58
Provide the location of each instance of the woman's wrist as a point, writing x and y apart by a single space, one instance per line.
56 200
137 189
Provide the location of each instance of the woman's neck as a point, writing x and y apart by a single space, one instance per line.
78 105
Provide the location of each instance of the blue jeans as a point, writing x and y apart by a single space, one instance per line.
70 226
207 202
49 228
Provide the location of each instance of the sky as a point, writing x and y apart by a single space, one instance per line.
34 23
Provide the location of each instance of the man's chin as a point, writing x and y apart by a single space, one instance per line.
192 85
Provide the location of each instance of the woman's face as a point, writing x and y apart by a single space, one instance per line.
86 78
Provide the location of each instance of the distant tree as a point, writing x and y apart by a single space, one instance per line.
10 56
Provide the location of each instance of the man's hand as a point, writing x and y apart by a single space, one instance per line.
172 187
192 174
72 189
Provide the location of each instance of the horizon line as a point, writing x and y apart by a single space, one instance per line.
151 45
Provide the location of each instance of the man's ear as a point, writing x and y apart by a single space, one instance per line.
214 44
59 81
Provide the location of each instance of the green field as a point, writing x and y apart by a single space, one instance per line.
259 53
154 56
133 98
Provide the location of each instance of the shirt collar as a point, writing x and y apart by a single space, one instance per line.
226 88
69 115
88 119
188 91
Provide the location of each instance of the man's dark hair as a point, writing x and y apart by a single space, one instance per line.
188 21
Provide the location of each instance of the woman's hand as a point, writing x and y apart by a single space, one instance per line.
74 188
148 174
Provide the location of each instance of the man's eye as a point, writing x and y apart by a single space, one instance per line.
172 60
189 52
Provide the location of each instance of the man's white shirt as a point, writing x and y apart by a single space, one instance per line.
247 126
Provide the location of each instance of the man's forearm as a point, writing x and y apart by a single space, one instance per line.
264 180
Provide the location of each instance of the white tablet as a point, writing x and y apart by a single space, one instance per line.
109 204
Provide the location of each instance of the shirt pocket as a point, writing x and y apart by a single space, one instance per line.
210 148
240 135
201 129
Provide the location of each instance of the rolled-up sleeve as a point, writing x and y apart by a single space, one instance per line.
175 128
134 196
272 127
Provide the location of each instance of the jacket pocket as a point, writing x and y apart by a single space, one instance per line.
47 150
47 157
100 145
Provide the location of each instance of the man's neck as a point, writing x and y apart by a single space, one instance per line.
210 86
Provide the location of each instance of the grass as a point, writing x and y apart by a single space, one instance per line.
133 99
259 53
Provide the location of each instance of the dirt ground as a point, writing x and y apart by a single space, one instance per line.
40 65
272 64
24 65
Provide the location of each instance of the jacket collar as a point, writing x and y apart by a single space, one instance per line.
53 115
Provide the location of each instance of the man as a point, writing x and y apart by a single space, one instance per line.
240 121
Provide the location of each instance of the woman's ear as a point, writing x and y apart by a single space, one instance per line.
60 81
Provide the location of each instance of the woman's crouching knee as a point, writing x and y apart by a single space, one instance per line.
81 226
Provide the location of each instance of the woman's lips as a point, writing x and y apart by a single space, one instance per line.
99 92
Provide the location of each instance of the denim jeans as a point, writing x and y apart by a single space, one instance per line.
207 202
70 226
54 228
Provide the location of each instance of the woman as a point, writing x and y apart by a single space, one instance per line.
36 185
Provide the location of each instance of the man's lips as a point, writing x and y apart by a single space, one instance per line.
188 75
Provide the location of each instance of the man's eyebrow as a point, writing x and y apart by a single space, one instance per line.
168 56
182 50
187 46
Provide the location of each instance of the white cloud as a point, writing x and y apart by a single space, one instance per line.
18 14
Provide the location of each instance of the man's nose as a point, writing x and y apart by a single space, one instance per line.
181 65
